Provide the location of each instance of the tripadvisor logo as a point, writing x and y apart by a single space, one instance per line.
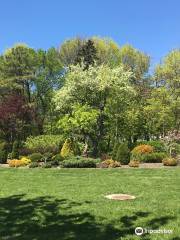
139 231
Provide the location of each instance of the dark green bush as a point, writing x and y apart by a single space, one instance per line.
47 165
35 157
123 154
3 152
33 165
15 150
55 163
156 157
58 158
79 162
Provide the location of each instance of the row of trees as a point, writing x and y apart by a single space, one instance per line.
90 90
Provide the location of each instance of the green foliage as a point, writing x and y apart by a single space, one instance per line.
33 165
45 143
15 150
155 157
102 94
158 145
79 162
47 157
57 157
47 165
3 152
123 153
67 149
115 149
35 157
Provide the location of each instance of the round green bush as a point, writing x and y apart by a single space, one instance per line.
35 157
79 162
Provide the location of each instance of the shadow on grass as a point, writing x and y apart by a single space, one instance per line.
47 218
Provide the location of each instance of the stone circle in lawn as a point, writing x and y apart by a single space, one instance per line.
120 197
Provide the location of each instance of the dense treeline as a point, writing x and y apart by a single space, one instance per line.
89 90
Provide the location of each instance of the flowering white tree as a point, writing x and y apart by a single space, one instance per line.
95 87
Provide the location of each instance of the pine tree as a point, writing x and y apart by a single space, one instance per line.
123 153
87 54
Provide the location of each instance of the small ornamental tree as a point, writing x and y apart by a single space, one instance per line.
123 153
172 140
67 150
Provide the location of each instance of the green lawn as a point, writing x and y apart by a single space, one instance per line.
69 204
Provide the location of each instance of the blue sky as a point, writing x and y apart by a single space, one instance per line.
152 26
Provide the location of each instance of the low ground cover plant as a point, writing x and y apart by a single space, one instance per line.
170 162
134 163
109 163
79 162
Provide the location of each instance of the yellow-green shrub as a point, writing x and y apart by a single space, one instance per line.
169 162
142 149
67 150
109 163
19 163
134 163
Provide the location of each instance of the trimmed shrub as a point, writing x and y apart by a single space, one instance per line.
138 152
79 162
36 157
26 160
17 163
3 152
123 154
170 162
15 150
157 145
156 157
44 143
142 149
133 163
33 165
67 149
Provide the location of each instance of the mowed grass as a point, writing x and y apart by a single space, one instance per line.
69 204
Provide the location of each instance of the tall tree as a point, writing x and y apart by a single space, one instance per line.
94 87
